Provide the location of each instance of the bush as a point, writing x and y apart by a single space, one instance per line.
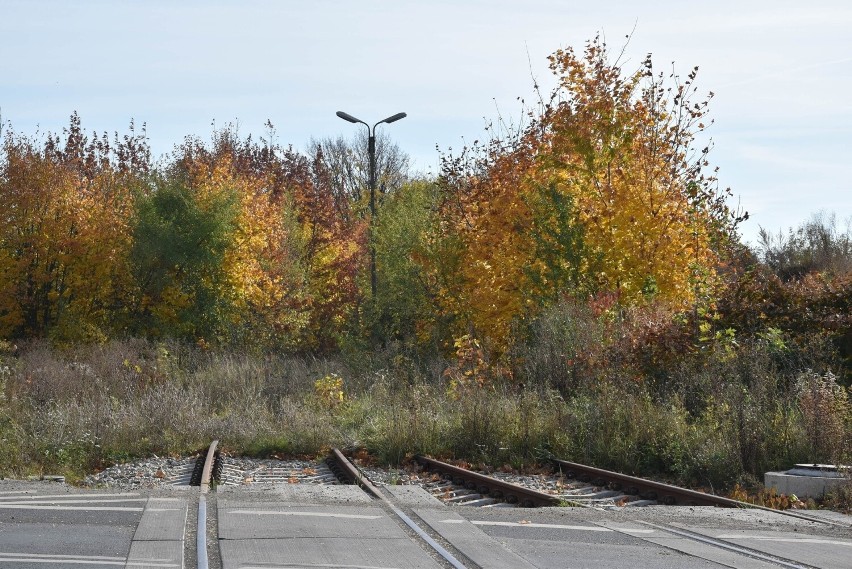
818 245
841 498
827 417
564 348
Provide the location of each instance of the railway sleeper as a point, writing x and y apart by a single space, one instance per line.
482 502
638 503
462 498
601 495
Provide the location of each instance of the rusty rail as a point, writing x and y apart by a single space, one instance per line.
648 489
483 484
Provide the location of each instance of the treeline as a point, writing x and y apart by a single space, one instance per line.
603 201
225 243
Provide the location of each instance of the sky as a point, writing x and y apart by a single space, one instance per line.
780 71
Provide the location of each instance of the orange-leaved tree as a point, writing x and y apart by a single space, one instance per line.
65 234
603 191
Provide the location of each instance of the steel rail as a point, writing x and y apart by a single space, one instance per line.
207 471
201 529
351 471
341 466
512 493
201 533
664 493
732 547
648 489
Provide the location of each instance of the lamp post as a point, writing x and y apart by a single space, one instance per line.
371 151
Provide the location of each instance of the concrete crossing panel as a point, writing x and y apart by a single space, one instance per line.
414 497
283 521
163 520
394 553
155 555
472 541
819 551
297 493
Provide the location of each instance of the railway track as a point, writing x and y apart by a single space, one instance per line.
487 491
666 494
458 485
213 467
230 472
649 490
571 484
587 486
463 486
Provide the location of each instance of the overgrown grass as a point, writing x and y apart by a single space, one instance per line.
723 421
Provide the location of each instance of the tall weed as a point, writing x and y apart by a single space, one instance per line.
718 419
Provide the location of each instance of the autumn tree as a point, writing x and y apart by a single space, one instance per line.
290 260
603 191
405 311
624 146
179 244
66 204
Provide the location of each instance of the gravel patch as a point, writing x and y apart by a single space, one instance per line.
389 476
148 473
236 471
157 472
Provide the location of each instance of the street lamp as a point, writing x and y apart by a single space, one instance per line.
371 151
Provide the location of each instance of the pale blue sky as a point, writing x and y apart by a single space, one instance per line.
781 72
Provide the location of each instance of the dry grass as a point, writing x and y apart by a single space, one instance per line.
71 412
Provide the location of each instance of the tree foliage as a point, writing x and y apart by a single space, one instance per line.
66 211
404 310
292 258
179 244
604 199
603 192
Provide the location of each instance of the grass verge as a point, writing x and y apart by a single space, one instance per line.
73 412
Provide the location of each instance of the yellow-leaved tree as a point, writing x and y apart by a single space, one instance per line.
623 146
603 192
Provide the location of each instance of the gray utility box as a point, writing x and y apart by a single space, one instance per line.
809 480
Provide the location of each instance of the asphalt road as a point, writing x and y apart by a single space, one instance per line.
54 526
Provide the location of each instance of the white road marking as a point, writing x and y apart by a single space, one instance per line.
787 539
319 565
66 559
311 514
83 559
20 502
631 531
54 556
525 525
46 496
70 508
